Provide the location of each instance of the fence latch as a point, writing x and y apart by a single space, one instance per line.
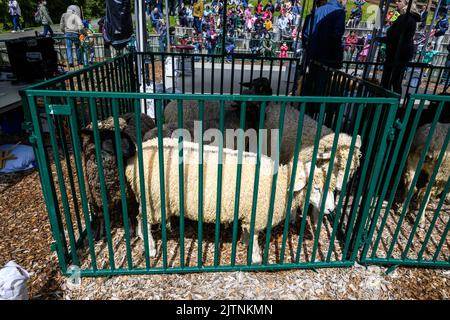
391 134
27 126
398 124
33 139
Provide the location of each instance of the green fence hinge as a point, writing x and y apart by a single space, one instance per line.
393 130
60 109
27 126
391 134
32 139
398 124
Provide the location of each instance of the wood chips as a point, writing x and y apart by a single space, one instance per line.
25 236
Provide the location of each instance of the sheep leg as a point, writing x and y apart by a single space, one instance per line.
98 228
422 217
140 234
314 215
256 251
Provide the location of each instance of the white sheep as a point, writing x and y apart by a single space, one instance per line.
191 110
436 145
230 159
289 135
309 131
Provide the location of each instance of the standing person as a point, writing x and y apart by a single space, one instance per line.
106 43
211 41
423 17
14 11
326 33
162 36
72 26
399 41
296 12
350 45
428 58
155 19
440 29
46 20
182 15
189 17
284 51
267 46
269 5
229 46
282 25
198 15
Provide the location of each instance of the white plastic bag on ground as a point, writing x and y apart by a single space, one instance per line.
13 282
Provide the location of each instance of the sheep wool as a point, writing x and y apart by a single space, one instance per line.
434 150
230 158
191 110
289 134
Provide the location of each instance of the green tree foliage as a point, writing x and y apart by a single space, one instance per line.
90 8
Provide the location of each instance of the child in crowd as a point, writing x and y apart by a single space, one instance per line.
87 41
428 57
284 51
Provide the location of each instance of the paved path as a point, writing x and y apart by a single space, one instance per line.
30 32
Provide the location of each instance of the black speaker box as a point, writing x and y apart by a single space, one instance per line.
32 58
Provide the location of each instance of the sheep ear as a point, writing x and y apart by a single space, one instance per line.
301 179
299 185
358 142
127 146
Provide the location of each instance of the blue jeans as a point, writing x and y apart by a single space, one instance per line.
47 29
16 22
72 38
198 24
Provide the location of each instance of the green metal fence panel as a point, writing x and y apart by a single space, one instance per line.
359 152
408 222
199 245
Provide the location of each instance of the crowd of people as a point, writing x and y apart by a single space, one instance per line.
78 33
242 20
272 28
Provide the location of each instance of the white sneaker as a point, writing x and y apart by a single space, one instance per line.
14 31
22 30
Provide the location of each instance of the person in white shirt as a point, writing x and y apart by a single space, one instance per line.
14 11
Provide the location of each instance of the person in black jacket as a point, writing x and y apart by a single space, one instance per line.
399 42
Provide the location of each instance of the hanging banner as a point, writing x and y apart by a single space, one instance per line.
118 23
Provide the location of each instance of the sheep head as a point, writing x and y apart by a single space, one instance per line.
259 87
340 159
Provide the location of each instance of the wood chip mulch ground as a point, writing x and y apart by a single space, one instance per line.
26 238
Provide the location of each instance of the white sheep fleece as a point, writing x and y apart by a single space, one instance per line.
230 158
289 136
191 110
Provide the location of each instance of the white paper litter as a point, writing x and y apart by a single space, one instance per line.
13 282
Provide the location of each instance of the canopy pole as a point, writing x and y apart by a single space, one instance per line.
224 27
167 27
141 40
141 23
